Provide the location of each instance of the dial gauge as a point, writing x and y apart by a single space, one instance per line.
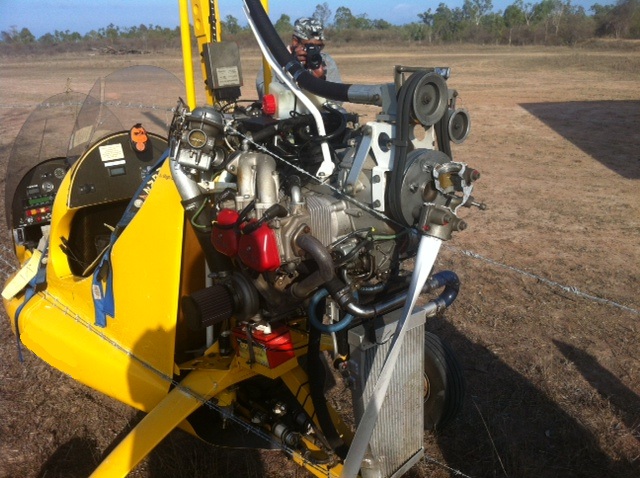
197 138
47 187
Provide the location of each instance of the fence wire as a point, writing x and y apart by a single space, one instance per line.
543 280
8 267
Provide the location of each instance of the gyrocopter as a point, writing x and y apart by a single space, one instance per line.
207 263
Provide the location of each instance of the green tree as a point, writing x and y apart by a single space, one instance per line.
343 18
416 31
474 10
577 25
446 23
427 19
492 28
624 19
361 22
514 18
381 25
283 25
322 13
231 25
26 37
13 35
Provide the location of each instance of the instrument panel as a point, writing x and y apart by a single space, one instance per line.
112 170
34 196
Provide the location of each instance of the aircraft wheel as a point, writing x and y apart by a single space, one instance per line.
444 383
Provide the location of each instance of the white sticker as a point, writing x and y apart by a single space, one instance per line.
110 164
228 76
111 152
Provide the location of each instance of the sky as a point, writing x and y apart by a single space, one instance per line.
82 16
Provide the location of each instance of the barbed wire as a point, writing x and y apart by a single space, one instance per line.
543 280
118 104
7 267
566 288
65 309
444 466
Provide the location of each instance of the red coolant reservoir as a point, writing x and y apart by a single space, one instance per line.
259 249
224 233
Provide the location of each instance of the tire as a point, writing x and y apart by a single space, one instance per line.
444 384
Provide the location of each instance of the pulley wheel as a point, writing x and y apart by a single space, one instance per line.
415 180
458 125
430 99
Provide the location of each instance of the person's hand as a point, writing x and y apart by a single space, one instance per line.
300 53
320 72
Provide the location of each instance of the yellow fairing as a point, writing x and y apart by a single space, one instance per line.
58 323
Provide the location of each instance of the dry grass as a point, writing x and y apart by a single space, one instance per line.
554 378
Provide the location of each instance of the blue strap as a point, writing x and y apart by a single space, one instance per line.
30 291
103 301
102 283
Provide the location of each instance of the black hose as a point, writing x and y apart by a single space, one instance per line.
304 78
265 133
325 272
346 298
316 373
449 280
348 302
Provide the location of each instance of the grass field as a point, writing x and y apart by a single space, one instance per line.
547 321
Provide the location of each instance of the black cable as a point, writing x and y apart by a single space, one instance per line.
316 375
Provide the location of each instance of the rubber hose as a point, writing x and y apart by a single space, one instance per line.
316 373
449 280
348 301
315 321
325 272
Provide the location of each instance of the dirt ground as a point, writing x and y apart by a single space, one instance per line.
546 324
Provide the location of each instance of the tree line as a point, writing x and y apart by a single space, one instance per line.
548 22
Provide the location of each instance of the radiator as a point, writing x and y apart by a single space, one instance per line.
397 441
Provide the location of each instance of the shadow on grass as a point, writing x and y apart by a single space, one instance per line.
73 459
608 131
178 455
509 427
625 401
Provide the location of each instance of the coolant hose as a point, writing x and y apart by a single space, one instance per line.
304 78
317 323
323 259
347 300
449 280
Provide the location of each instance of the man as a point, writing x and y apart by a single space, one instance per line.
307 32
